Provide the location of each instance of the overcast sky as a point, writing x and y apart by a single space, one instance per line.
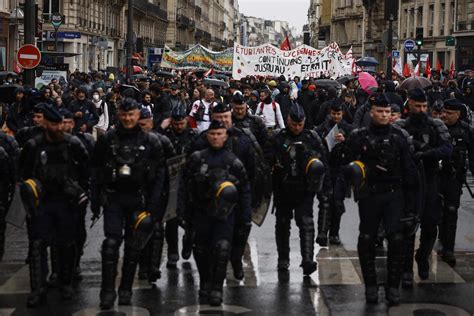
293 11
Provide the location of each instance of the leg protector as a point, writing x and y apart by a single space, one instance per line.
201 256
394 267
38 272
220 258
110 255
282 236
156 254
67 263
335 224
145 261
427 241
366 250
307 245
129 268
449 238
239 242
323 223
171 233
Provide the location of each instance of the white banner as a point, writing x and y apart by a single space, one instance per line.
49 75
303 61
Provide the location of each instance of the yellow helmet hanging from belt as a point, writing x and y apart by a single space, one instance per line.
31 193
142 229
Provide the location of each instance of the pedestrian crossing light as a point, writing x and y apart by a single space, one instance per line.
419 36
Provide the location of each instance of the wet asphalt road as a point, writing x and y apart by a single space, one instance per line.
336 288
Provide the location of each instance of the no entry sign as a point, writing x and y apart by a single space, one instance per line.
28 56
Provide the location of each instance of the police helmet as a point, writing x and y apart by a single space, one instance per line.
30 193
315 171
355 173
225 199
142 229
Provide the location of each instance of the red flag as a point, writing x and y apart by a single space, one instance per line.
428 68
406 71
438 66
285 45
208 73
451 71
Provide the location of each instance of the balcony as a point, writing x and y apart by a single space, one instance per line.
221 26
192 25
151 9
207 35
182 21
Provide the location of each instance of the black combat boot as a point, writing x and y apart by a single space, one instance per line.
67 263
218 271
282 236
366 250
323 225
394 268
239 242
129 268
427 241
171 233
335 222
407 268
110 255
449 235
187 249
158 239
38 272
307 245
54 281
202 258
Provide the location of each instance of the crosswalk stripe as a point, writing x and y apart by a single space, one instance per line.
19 283
335 267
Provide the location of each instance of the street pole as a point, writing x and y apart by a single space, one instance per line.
390 47
30 27
129 39
56 45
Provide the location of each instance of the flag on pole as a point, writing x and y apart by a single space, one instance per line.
438 66
208 73
428 68
285 45
416 71
451 71
397 66
406 71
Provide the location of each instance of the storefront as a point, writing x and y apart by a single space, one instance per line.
465 52
3 43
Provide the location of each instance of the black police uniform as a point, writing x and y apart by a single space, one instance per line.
453 173
9 153
129 173
387 194
432 143
59 172
240 143
331 222
214 227
294 189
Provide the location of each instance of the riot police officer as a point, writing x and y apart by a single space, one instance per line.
244 145
453 173
241 118
432 143
129 173
26 133
181 136
216 183
331 222
9 153
54 170
299 165
384 177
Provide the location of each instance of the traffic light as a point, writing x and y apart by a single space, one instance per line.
419 36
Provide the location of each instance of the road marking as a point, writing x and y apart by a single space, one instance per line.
250 264
335 268
19 283
206 309
319 303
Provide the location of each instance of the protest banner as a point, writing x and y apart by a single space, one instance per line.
303 61
198 57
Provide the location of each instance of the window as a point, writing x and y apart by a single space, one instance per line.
50 6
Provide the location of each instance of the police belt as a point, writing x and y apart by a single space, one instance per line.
384 188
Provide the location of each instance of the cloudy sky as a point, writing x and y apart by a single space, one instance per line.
293 11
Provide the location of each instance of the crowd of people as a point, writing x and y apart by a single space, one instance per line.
97 144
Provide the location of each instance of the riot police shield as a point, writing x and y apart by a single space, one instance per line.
175 168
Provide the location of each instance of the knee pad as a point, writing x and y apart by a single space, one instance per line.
307 223
396 237
222 248
283 221
110 247
451 209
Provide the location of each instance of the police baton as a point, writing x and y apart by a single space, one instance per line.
95 219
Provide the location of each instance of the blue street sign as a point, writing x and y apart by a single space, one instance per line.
395 54
409 45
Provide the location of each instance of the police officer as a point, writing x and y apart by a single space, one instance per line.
150 257
129 174
453 173
298 171
181 136
432 143
54 170
88 141
383 153
331 222
9 153
241 118
244 145
26 133
216 183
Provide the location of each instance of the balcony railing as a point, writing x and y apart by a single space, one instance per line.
150 8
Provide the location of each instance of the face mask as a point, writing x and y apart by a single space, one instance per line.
95 97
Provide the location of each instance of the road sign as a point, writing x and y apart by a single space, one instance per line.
385 38
395 54
28 56
409 45
57 19
450 41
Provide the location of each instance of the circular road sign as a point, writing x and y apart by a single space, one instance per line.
56 20
409 45
28 56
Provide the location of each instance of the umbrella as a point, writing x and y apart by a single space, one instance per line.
367 82
164 74
345 79
137 70
415 82
7 93
327 83
367 61
214 82
124 87
220 76
140 77
4 74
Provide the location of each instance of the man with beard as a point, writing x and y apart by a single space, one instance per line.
85 113
53 166
432 143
